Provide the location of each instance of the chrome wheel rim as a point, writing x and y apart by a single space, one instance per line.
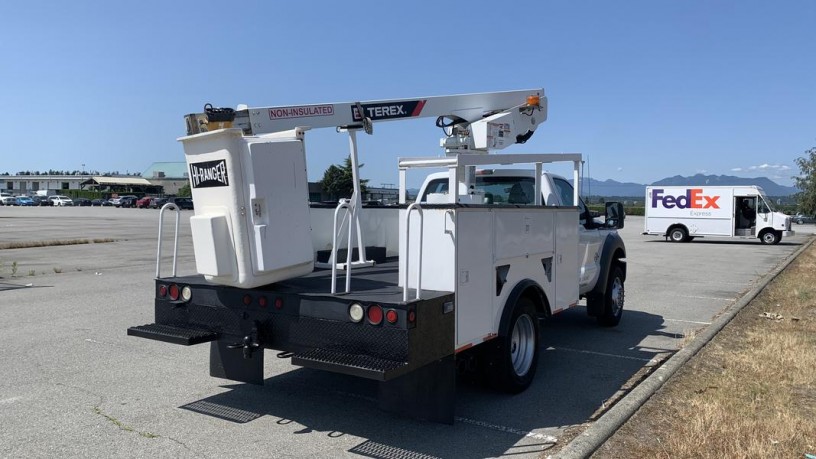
522 345
769 237
677 235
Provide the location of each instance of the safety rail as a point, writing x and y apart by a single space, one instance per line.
169 205
406 275
344 204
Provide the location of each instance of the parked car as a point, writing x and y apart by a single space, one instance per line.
98 202
801 218
143 203
42 201
83 202
8 200
59 200
127 201
156 203
182 203
24 201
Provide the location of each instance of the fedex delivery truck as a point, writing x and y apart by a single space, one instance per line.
681 213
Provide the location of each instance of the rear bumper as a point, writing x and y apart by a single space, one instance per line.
314 330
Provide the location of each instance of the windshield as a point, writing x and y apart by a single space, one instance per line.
497 190
767 204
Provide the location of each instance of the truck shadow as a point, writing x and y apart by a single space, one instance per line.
581 366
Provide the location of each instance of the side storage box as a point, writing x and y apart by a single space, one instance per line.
251 225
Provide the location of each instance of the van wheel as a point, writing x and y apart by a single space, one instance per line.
613 299
512 359
678 234
769 237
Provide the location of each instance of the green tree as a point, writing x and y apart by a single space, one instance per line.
184 191
806 182
338 180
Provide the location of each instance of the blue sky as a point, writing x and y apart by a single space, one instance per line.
644 89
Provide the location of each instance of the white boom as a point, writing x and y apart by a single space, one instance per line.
472 123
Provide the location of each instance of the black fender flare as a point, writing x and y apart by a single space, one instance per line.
614 250
520 289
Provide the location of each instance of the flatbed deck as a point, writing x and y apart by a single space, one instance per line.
375 283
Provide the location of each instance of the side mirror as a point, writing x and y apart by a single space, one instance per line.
614 215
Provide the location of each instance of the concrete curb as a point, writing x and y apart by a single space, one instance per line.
600 431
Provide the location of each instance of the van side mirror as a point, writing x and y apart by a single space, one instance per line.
614 215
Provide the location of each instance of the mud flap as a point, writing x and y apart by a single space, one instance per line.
427 393
230 364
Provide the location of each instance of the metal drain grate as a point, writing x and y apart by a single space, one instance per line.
227 413
381 451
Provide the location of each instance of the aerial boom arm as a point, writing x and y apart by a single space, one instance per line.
465 108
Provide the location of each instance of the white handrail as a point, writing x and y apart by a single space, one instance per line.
408 253
344 203
169 205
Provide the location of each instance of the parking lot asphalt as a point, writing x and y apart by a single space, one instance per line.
73 384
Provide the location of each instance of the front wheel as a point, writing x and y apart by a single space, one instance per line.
513 358
613 299
769 237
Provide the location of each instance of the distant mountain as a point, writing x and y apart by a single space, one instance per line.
770 188
609 188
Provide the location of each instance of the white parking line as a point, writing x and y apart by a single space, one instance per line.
687 321
708 297
510 430
603 354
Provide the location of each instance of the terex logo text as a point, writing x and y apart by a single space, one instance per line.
693 199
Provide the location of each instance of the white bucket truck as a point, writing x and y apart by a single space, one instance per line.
468 282
681 213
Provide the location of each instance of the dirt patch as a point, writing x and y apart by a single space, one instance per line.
751 392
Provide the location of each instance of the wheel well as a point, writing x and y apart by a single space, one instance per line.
539 298
619 258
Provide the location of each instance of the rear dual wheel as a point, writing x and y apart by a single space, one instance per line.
678 234
512 359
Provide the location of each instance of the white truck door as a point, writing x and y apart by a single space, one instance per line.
589 238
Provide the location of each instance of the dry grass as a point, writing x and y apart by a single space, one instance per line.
750 393
32 244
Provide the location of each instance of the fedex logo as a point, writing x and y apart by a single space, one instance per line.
693 199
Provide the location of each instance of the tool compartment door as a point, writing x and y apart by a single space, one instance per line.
475 283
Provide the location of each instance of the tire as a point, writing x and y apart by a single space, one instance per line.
613 298
769 237
799 222
512 359
678 234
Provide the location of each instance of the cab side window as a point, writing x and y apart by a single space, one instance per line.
565 192
435 186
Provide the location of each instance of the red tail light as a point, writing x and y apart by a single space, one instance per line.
262 301
162 291
375 314
411 317
278 303
247 300
174 292
391 316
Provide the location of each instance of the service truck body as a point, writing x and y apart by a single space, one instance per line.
452 276
681 213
